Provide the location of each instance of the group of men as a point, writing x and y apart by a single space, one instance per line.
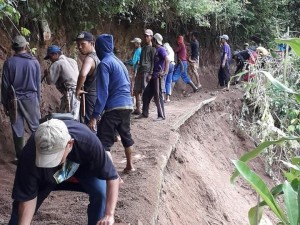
156 72
63 153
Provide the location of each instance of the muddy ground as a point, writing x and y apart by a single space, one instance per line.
182 172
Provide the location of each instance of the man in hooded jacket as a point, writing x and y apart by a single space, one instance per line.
114 103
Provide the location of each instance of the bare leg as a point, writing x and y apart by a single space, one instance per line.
129 166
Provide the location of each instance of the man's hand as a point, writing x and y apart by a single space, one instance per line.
107 220
93 124
46 72
79 92
148 78
223 65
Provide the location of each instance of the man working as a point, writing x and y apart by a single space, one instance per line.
20 91
134 61
87 75
154 87
57 151
145 68
63 72
224 74
181 66
114 103
194 58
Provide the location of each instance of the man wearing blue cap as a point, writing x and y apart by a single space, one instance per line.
63 72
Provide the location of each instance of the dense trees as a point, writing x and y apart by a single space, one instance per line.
259 20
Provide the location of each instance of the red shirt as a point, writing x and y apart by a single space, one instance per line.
181 51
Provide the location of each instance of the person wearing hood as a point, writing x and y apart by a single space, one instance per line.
156 83
21 91
181 66
114 103
63 72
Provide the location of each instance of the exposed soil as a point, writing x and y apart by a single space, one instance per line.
182 174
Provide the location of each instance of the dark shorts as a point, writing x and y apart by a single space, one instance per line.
140 82
115 120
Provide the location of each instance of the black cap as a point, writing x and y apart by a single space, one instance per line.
87 36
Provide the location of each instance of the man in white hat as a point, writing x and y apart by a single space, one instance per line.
58 151
145 68
134 61
224 74
156 84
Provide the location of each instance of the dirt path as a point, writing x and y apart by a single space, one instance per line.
182 175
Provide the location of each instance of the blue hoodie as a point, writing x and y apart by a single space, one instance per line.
112 79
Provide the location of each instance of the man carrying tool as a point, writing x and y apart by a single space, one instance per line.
63 72
21 91
86 83
64 155
156 80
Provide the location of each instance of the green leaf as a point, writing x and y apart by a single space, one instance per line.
254 153
293 42
261 188
291 203
255 215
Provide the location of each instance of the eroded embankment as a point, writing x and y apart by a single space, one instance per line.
196 189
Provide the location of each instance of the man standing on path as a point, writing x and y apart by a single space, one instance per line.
63 72
145 68
224 74
194 58
87 75
134 61
154 87
114 103
21 91
168 77
181 66
60 150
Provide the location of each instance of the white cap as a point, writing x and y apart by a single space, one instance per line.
51 139
158 38
149 32
136 40
224 36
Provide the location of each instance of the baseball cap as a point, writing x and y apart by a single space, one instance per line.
84 35
224 36
158 38
20 41
149 32
51 139
52 49
136 40
246 44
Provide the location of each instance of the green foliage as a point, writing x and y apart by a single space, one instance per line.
289 189
25 32
8 9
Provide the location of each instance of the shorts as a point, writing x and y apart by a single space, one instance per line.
115 120
140 82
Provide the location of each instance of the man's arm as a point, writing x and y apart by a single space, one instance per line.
54 72
26 211
111 202
87 69
224 60
4 86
